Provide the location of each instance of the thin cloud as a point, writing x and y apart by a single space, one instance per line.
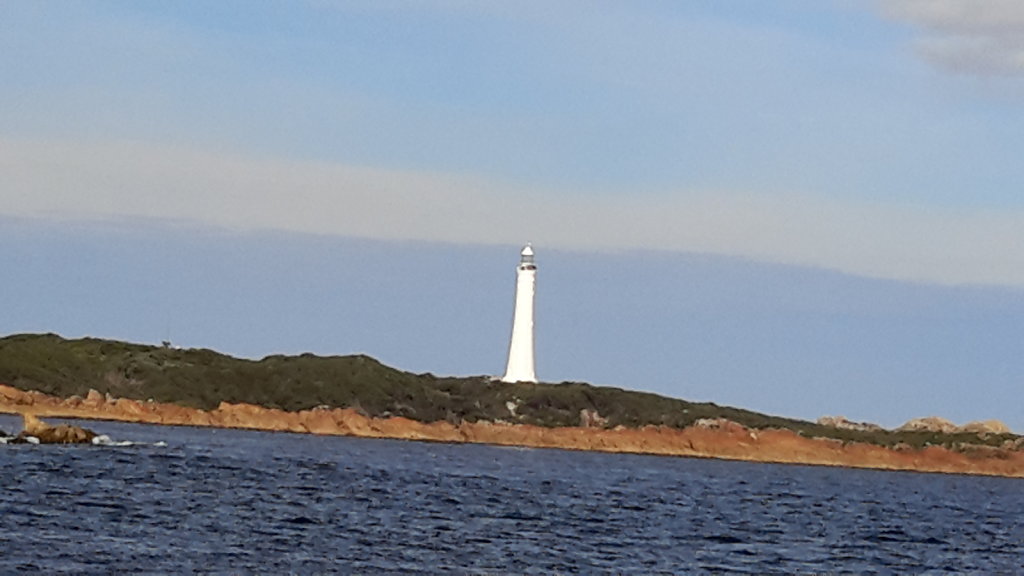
984 37
76 180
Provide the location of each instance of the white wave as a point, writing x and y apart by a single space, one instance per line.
104 440
99 440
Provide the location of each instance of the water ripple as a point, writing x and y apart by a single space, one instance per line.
237 502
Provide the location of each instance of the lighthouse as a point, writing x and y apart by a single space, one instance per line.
520 350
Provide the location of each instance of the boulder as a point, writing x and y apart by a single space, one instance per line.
592 419
94 398
47 434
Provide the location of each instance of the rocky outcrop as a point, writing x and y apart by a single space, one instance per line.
936 424
929 424
983 427
47 434
842 423
714 423
711 438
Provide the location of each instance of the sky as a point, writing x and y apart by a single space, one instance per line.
804 207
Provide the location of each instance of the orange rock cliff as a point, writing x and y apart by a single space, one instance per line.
708 439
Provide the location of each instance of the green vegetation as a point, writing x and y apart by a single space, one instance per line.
202 378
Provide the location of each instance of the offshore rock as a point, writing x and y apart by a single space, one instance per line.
47 434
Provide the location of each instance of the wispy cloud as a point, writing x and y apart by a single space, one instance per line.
77 180
968 36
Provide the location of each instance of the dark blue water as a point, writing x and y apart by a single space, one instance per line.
235 502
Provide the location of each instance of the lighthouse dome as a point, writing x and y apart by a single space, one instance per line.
526 258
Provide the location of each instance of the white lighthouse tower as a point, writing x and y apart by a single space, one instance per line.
520 350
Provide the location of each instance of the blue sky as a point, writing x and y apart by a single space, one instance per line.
877 138
804 148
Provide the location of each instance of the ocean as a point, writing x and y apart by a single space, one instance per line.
182 500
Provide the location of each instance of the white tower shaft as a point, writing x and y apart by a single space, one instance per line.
520 352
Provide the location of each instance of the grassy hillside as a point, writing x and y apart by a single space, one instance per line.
202 378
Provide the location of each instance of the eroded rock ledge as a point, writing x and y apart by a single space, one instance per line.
707 438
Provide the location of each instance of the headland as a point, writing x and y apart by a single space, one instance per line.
49 376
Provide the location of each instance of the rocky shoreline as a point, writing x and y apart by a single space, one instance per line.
720 439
